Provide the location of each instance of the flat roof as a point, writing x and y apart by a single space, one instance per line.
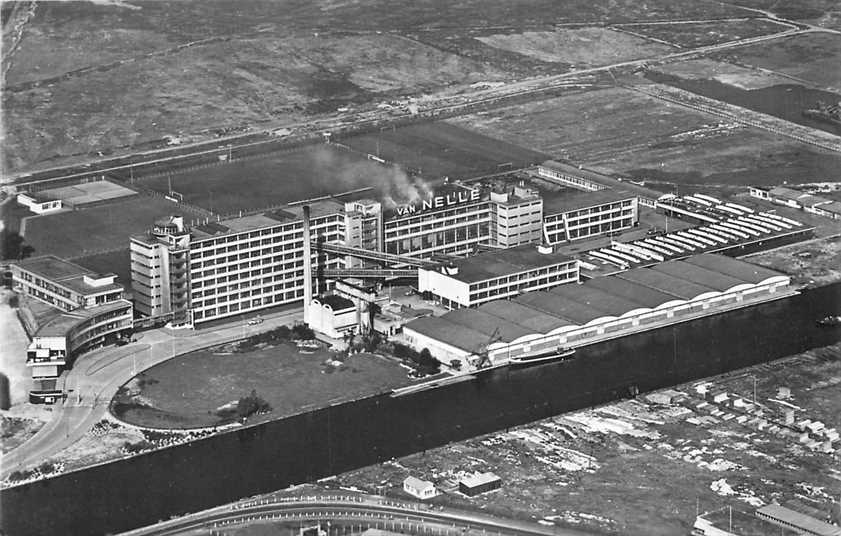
418 483
488 324
523 315
570 199
66 274
834 207
793 517
252 222
601 178
742 270
690 272
575 312
60 324
502 262
53 268
678 287
478 479
336 302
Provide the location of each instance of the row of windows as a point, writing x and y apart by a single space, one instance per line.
566 271
500 292
477 218
252 304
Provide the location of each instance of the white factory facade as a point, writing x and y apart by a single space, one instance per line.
190 274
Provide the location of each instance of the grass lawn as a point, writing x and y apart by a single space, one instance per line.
187 391
273 179
438 149
91 230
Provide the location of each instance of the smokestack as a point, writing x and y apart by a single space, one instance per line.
307 264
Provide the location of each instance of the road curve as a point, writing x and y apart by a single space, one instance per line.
356 509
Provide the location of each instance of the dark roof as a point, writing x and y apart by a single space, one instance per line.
502 262
336 302
678 287
487 323
570 200
595 298
691 272
631 290
53 268
450 333
801 521
523 315
742 270
556 305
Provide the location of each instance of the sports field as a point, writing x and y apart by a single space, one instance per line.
87 231
89 192
444 149
278 178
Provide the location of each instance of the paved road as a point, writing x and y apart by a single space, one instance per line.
364 510
96 377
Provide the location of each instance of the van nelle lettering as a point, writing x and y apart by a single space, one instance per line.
440 201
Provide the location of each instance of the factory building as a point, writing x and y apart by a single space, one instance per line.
590 214
583 179
189 274
66 310
228 267
603 307
478 483
498 274
332 315
789 197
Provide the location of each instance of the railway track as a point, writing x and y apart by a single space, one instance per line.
361 510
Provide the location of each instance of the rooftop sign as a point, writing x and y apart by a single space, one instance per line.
440 201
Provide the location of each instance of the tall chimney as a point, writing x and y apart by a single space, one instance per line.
307 264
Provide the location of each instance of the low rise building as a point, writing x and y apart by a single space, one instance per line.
40 203
576 314
479 483
498 274
584 179
66 310
800 523
422 489
332 315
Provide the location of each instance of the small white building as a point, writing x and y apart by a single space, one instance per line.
422 489
39 203
332 315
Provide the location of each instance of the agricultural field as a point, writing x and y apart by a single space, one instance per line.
94 230
437 149
584 125
643 466
578 47
193 390
89 77
820 12
723 156
700 34
620 131
747 78
811 58
281 177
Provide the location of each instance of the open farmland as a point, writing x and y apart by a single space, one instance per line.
642 467
90 77
278 178
699 34
579 47
739 76
812 58
724 157
94 230
437 149
583 125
